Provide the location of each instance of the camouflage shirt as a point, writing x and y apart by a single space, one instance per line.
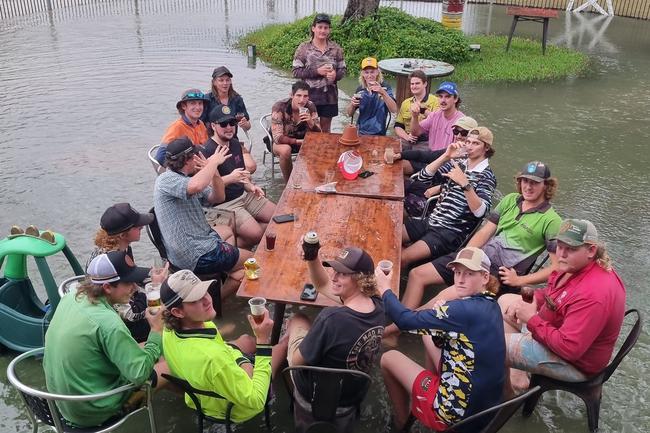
284 128
307 59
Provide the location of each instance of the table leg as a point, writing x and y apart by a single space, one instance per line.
278 318
512 30
544 34
403 89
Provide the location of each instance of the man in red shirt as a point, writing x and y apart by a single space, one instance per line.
569 330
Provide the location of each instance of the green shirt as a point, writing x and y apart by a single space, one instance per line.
201 357
523 234
88 350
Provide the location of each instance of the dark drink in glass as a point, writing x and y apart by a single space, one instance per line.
527 294
270 241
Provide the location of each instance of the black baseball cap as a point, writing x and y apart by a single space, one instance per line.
221 113
352 260
322 18
221 71
115 266
121 217
180 146
535 170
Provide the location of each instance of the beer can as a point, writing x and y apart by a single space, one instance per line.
252 269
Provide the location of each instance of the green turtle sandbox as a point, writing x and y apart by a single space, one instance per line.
23 316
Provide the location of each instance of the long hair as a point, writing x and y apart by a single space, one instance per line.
493 285
231 91
549 192
90 290
178 163
171 322
366 283
602 258
362 81
107 242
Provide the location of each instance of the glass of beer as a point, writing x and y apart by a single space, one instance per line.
386 266
153 301
270 240
239 116
257 305
527 294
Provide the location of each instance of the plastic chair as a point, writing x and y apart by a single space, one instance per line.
154 162
265 123
42 409
590 391
155 236
321 408
504 412
193 393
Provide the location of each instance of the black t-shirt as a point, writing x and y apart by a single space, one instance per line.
342 338
234 190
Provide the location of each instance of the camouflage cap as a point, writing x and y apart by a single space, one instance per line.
577 232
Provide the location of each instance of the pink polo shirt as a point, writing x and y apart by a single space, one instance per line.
438 128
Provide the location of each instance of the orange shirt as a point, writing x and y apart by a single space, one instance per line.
197 134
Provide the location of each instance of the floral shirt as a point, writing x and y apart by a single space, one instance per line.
307 59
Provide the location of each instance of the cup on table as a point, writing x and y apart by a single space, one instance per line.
257 305
153 301
297 218
386 266
270 240
296 180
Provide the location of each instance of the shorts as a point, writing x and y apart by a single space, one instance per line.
329 110
527 354
440 264
245 207
418 145
295 339
440 241
423 392
221 259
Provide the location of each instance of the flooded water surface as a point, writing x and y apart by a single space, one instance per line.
86 91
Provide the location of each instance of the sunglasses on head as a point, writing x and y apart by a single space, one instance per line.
461 132
198 95
232 122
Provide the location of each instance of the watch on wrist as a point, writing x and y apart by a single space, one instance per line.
467 187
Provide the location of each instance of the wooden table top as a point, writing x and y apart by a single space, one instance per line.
340 220
320 153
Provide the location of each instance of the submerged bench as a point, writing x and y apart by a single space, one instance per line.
537 15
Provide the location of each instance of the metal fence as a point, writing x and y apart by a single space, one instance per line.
13 8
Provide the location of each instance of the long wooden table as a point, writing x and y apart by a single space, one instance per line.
340 220
319 156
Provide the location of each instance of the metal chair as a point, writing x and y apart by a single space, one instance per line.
42 409
193 393
69 283
323 406
265 123
154 162
590 391
504 412
155 236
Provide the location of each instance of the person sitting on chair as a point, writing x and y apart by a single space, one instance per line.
465 197
569 330
374 99
240 371
428 103
291 118
178 195
89 349
464 349
252 209
348 336
190 108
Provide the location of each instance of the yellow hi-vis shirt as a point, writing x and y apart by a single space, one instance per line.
404 115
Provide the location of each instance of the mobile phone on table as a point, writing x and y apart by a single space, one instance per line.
309 292
283 218
365 174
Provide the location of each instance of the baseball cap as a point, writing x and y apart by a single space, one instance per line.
220 113
183 286
350 164
115 266
484 134
577 232
121 217
466 122
180 146
369 62
352 260
321 18
191 95
472 258
449 87
221 71
535 170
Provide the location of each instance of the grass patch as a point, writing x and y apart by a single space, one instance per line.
379 37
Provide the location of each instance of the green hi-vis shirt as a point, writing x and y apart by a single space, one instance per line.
201 357
88 350
523 234
404 115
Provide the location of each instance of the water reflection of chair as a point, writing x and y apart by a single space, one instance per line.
194 394
590 391
265 123
42 409
321 410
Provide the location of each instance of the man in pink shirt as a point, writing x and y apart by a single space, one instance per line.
569 330
438 124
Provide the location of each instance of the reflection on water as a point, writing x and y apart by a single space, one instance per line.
85 91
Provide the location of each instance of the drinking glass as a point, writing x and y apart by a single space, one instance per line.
257 306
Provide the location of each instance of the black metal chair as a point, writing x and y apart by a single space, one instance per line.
193 393
42 409
155 236
590 391
323 409
501 412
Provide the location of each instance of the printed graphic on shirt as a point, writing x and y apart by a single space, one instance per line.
364 351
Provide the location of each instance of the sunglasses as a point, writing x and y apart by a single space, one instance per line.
461 132
232 122
198 95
